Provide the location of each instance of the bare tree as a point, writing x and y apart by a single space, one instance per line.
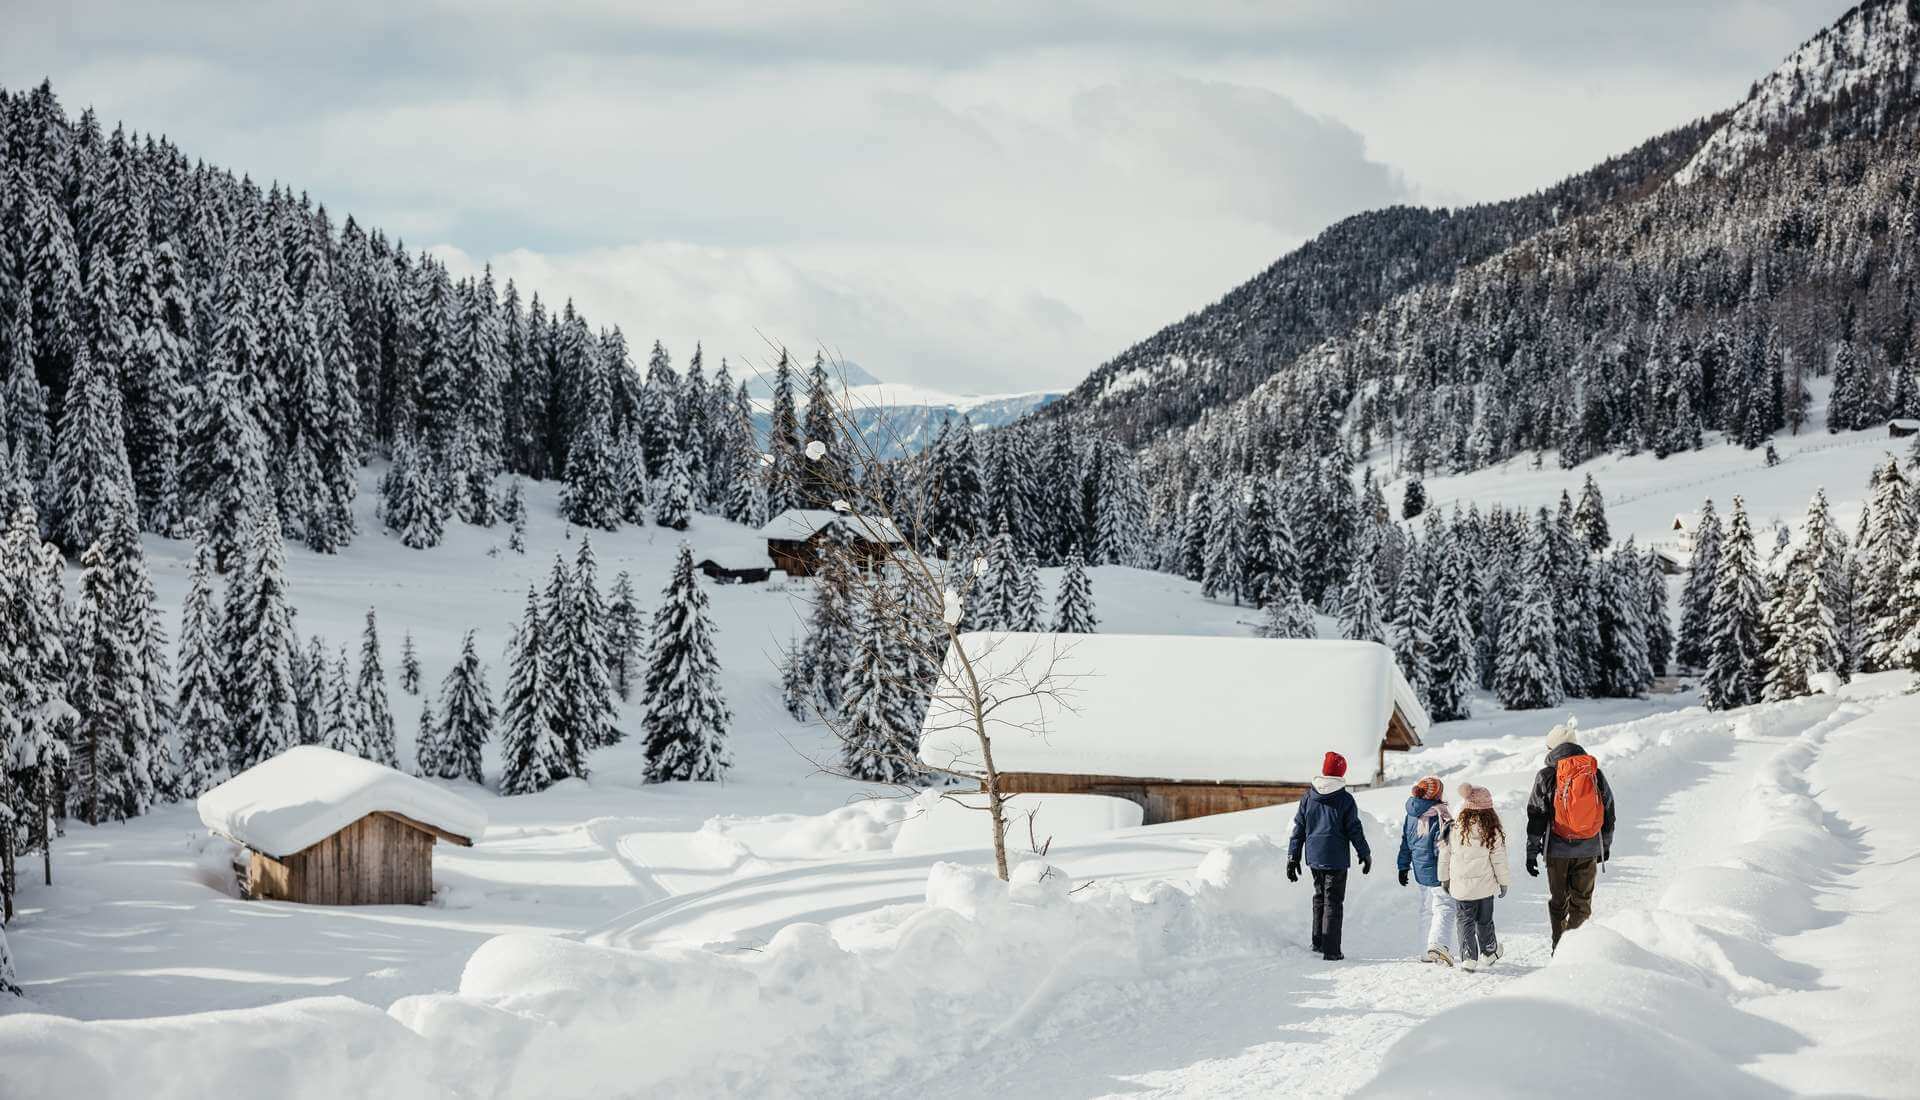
981 686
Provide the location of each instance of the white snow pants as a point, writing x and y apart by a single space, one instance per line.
1441 918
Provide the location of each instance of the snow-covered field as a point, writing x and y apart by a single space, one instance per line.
784 933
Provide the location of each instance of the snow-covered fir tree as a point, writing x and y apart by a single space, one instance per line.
1625 669
200 711
1412 631
535 751
1360 610
879 726
626 636
106 782
1454 667
686 717
1887 527
466 720
1659 625
1073 611
1692 647
373 718
409 503
1590 518
574 640
1735 668
257 642
675 503
409 665
1529 675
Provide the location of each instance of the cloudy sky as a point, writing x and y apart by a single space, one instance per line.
979 202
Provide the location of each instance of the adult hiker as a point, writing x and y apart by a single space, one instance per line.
1428 821
1570 824
1325 826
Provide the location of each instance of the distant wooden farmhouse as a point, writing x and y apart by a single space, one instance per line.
1183 726
794 537
1902 428
737 562
327 828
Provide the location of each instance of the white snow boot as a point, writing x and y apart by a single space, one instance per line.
1469 965
1439 955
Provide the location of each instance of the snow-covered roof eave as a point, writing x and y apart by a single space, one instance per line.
800 524
301 797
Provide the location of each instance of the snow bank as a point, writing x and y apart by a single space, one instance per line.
939 824
1164 707
306 794
1659 995
981 961
321 1048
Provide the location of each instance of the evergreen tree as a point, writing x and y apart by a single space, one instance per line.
1288 616
994 601
409 504
224 465
257 640
1073 603
591 497
575 642
1626 670
372 716
1360 603
105 784
90 476
1413 631
880 736
1027 614
686 719
1659 624
1456 655
202 714
309 667
1260 568
626 635
675 505
1692 649
1906 610
1414 500
1735 669
340 732
535 752
1225 555
1590 518
1887 528
467 716
409 665
1529 675
783 442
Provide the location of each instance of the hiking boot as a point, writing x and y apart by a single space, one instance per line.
1469 965
1439 955
1492 957
1334 957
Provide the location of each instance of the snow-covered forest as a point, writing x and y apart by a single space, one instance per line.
1632 458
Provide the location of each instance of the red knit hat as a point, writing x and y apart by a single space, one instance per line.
1334 764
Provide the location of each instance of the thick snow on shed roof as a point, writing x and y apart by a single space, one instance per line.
735 554
308 793
1164 707
803 523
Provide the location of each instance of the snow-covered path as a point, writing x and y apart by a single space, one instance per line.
1297 1025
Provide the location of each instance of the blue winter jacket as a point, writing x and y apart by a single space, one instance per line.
1325 825
1420 854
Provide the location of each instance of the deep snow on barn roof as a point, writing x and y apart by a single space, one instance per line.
308 793
803 523
1167 707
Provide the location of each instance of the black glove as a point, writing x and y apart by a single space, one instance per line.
1606 851
1293 870
1503 891
1403 876
1366 865
1533 864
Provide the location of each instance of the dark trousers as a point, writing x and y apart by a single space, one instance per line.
1329 900
1476 929
1570 892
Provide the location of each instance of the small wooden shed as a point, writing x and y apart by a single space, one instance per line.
1183 726
1902 427
745 563
794 536
326 828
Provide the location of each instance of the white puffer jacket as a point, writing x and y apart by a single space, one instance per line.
1470 869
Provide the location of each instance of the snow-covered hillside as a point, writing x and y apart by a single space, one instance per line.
785 934
899 420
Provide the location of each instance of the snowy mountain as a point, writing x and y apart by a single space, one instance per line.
1855 79
901 420
1577 320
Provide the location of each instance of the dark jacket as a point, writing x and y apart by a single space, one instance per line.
1325 825
1540 838
1418 853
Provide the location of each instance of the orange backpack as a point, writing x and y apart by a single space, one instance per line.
1577 810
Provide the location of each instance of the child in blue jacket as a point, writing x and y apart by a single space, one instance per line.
1428 821
1326 825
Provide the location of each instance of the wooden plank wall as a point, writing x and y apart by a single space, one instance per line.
374 861
1160 800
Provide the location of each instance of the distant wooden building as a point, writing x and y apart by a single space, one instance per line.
794 537
1183 726
746 563
1902 428
326 828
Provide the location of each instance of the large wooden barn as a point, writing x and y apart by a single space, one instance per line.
1183 726
326 828
794 536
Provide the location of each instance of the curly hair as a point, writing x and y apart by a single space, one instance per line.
1483 824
